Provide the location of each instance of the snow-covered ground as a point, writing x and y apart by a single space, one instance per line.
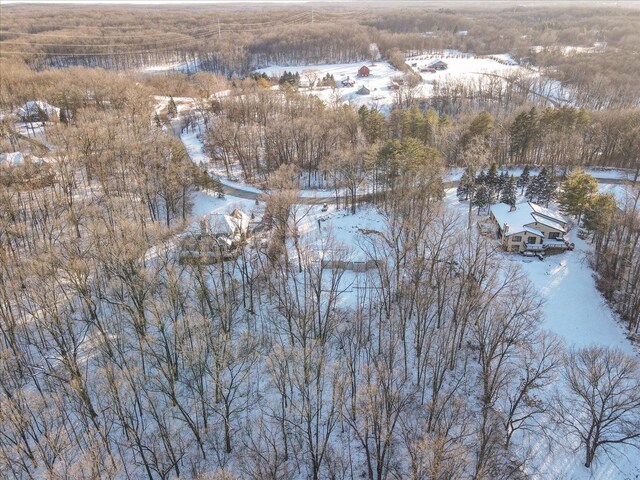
378 82
182 67
623 193
381 75
573 309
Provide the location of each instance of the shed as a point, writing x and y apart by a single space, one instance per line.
438 65
363 91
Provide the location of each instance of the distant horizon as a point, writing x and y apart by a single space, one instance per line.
149 2
267 2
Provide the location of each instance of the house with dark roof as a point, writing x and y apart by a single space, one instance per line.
438 65
363 91
529 227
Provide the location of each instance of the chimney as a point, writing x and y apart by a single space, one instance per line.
505 228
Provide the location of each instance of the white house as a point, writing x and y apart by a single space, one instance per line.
234 226
529 227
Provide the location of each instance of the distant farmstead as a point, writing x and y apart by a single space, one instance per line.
363 91
438 65
364 71
529 228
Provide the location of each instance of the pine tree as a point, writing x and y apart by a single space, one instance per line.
509 192
502 182
481 179
533 189
547 186
524 179
64 117
172 109
599 214
466 185
481 197
492 176
577 192
523 132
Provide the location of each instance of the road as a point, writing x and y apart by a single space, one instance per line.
249 195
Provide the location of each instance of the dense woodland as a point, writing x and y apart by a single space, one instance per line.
118 360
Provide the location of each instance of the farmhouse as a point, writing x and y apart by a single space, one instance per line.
438 65
529 227
364 71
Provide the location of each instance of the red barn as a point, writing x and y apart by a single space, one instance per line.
364 71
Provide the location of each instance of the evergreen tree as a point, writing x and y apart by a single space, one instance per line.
64 116
577 192
599 214
480 127
547 186
533 189
481 179
172 109
290 78
502 182
466 185
523 132
524 179
492 177
509 192
481 197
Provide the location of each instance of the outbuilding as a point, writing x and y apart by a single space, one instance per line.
438 65
364 71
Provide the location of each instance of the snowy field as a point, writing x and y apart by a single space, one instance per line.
378 82
624 194
382 73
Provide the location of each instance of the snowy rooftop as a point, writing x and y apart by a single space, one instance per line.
524 214
232 225
547 213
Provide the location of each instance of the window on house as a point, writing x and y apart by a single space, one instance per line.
553 235
531 240
517 238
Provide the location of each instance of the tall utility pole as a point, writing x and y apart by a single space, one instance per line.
218 28
311 14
